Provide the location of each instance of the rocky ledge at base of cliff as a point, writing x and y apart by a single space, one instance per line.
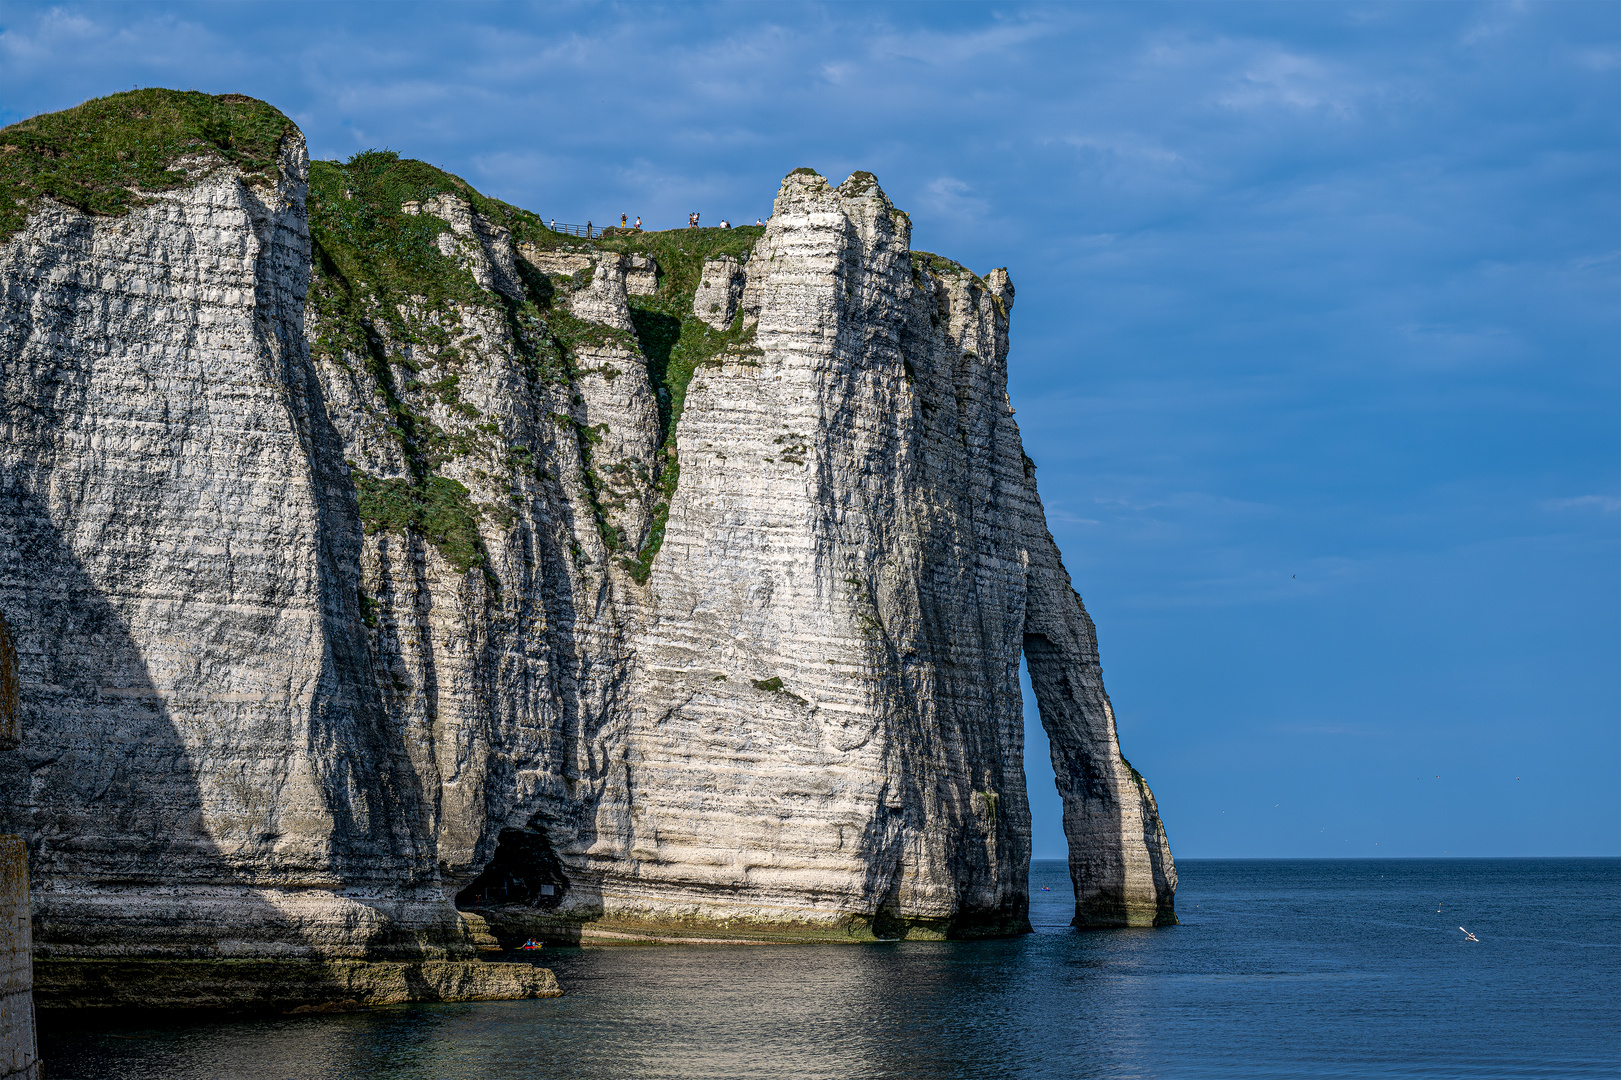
279 985
373 551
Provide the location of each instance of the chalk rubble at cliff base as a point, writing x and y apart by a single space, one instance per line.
372 550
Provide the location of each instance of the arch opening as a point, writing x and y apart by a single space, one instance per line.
1047 840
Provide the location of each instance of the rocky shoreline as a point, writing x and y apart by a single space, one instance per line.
279 985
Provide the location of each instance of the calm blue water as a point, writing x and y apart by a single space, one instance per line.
1280 969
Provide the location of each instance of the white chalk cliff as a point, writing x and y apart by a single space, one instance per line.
664 585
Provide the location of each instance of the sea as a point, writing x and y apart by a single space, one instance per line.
1310 968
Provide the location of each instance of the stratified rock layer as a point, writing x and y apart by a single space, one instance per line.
335 603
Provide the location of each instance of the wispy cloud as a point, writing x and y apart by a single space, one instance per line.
1604 504
949 197
1359 730
1290 81
1494 21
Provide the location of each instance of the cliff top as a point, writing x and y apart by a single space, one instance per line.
100 156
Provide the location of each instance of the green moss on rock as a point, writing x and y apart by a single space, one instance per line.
384 297
516 924
365 243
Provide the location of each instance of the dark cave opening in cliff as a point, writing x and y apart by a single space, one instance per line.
523 871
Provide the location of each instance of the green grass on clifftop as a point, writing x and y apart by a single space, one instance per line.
365 239
941 266
92 156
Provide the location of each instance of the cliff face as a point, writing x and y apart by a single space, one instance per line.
369 547
209 757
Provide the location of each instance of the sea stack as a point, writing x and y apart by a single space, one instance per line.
373 551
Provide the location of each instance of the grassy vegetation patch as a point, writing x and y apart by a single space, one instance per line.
774 685
438 509
941 266
859 183
105 155
375 264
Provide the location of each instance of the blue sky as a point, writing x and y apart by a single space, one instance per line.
1315 345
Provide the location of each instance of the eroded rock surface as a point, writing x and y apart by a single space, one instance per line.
719 291
529 582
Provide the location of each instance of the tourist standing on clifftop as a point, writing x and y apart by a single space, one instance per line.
638 221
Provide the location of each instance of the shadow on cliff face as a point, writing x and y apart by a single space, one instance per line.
112 804
559 816
115 819
357 746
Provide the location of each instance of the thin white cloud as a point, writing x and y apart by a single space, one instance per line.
1277 79
946 196
1494 21
1598 57
1604 504
1328 729
945 49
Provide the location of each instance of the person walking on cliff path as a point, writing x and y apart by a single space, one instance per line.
638 221
588 228
624 221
